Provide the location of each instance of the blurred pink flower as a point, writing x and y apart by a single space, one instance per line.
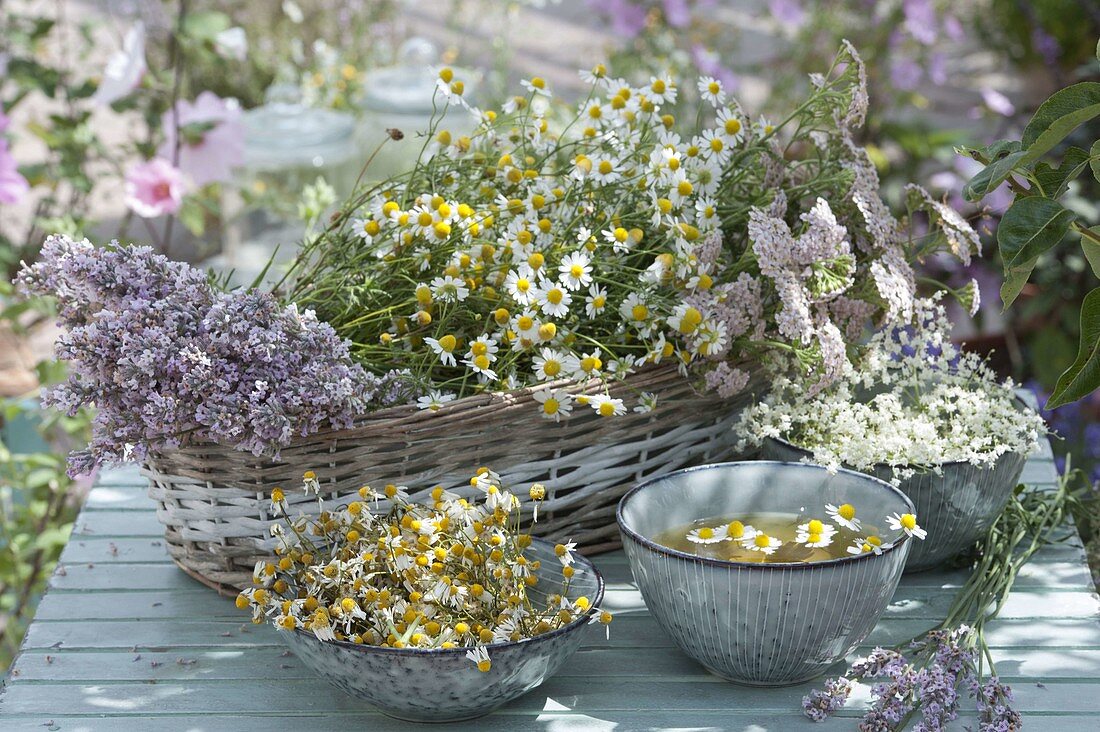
920 20
124 68
13 186
154 188
627 18
998 103
5 120
709 64
212 138
677 13
905 73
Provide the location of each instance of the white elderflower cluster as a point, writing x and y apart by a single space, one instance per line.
914 402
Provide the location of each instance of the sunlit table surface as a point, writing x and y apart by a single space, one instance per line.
125 642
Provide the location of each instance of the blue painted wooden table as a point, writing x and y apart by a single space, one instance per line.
124 641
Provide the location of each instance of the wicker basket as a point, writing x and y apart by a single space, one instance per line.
214 502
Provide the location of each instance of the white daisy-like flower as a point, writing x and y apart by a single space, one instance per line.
434 400
662 89
764 126
707 535
596 301
844 515
730 125
549 364
536 85
480 656
761 542
712 91
521 285
526 326
862 546
587 366
554 300
564 552
555 405
634 310
605 406
906 522
605 171
450 289
815 533
647 402
575 270
738 531
444 347
366 229
480 357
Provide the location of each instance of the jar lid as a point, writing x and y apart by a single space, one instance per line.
408 86
284 132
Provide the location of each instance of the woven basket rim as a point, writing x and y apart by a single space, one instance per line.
465 408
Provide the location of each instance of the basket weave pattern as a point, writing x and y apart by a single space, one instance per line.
215 502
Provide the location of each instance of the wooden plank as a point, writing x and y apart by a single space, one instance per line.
638 631
117 524
107 576
81 550
125 475
61 666
278 696
103 498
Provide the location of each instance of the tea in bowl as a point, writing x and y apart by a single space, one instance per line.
778 602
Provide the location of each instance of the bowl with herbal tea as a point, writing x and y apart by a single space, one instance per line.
432 612
765 572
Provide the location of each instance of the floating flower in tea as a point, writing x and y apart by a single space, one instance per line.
786 537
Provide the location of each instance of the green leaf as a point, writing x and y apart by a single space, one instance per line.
1091 248
1054 181
1015 279
1082 378
1031 226
1059 115
1094 160
991 176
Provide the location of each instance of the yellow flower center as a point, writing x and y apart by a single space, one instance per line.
658 86
621 234
607 409
576 270
523 284
551 368
684 188
733 126
599 301
482 362
424 219
736 529
847 512
716 144
874 540
762 540
554 296
815 527
448 343
706 533
814 537
550 406
484 666
639 312
690 321
525 322
714 87
590 364
604 167
909 521
479 348
547 331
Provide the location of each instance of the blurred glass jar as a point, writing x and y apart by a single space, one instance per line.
287 147
400 97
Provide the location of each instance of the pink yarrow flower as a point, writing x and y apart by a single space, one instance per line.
154 188
212 139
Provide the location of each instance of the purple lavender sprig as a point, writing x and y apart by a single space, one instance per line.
166 359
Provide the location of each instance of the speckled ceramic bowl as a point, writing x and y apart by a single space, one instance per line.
442 685
753 623
955 506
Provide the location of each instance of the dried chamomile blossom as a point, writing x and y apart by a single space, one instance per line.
446 574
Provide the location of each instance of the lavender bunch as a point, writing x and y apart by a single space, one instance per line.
925 677
167 359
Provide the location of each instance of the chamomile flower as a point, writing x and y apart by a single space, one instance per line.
662 89
521 285
685 319
761 542
844 515
635 311
444 347
480 657
815 533
278 501
434 400
764 126
606 406
711 90
738 531
730 126
554 300
564 552
550 364
588 365
707 535
647 402
450 289
575 270
596 301
906 522
555 405
863 546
